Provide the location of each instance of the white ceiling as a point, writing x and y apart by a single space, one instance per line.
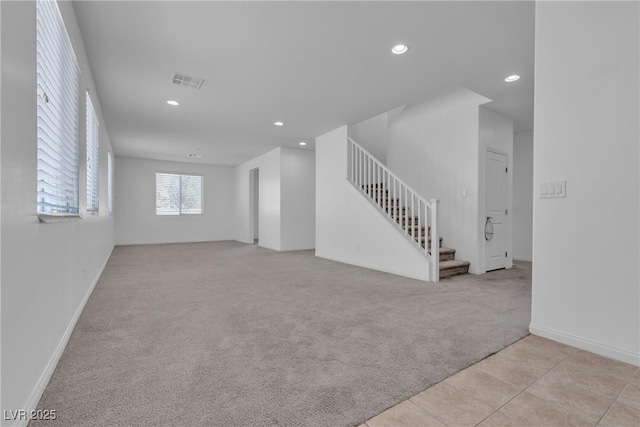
313 65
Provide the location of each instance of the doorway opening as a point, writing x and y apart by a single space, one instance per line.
254 204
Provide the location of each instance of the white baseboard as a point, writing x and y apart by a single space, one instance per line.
522 259
57 354
299 248
172 242
586 344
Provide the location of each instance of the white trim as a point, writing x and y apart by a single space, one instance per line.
180 242
180 174
295 248
586 344
522 259
66 32
57 217
55 357
507 218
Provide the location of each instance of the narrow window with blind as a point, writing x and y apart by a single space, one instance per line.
57 113
109 183
178 194
93 141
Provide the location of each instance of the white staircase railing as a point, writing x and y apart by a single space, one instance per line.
401 205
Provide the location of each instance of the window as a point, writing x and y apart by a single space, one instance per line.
109 183
178 194
93 140
57 115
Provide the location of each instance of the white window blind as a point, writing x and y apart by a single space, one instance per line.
109 183
57 103
93 141
178 194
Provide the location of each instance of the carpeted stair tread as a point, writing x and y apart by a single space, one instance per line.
422 240
454 263
446 251
446 254
453 268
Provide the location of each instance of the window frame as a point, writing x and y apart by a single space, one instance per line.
93 157
56 138
180 174
109 183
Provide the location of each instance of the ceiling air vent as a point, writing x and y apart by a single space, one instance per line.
182 80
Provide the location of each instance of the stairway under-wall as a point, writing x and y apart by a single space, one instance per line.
448 266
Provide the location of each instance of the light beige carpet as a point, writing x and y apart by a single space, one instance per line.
227 334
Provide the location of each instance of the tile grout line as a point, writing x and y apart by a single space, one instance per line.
569 410
427 412
465 394
614 401
527 387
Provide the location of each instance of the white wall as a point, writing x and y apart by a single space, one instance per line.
523 196
135 204
286 200
371 134
434 147
495 132
298 198
349 228
586 246
1 406
269 200
48 270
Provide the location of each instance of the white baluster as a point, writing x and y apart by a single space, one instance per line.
377 180
406 204
435 241
373 176
413 225
386 193
353 163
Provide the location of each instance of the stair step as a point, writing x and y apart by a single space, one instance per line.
416 231
406 221
446 254
390 205
422 239
449 266
377 185
385 201
394 209
453 268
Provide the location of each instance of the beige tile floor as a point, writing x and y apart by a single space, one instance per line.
534 382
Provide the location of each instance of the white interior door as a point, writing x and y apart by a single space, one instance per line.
495 210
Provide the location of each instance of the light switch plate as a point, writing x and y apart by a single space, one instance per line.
549 190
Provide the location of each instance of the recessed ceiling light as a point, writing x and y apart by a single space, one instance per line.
194 156
172 102
399 49
302 143
512 78
278 123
